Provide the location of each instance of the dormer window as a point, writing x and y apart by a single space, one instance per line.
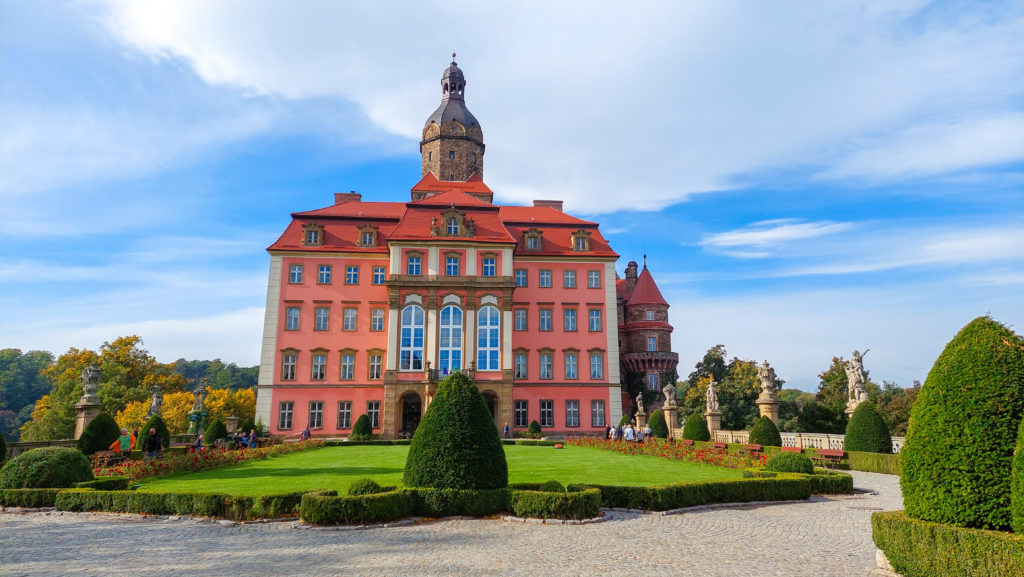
368 236
531 239
453 227
312 235
453 222
581 241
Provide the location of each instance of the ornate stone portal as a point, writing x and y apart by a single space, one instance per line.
768 401
89 405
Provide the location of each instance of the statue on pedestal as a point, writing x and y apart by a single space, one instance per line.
669 391
640 402
156 402
766 374
712 397
197 416
90 382
856 377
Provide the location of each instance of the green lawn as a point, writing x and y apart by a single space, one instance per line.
338 467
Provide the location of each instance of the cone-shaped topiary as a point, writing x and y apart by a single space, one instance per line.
456 445
215 430
99 434
764 432
659 428
787 462
696 429
1017 484
955 466
534 428
867 432
154 422
362 430
46 467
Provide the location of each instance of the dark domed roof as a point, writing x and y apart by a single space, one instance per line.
453 99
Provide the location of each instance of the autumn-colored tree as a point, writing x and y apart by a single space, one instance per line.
174 411
737 388
54 414
133 416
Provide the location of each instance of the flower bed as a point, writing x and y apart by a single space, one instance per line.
172 463
672 452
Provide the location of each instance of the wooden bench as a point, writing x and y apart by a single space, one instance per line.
827 456
721 447
750 449
792 450
687 442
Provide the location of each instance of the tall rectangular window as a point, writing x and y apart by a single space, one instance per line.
373 413
350 320
544 320
652 344
571 366
546 366
572 413
323 274
521 277
451 266
320 318
570 319
569 279
288 366
520 319
597 414
594 319
319 369
376 319
596 366
284 415
547 413
344 414
413 265
352 275
378 275
316 415
520 366
593 279
652 382
348 366
544 279
521 415
489 268
375 366
295 273
291 319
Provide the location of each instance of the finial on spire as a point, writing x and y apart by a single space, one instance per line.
645 260
453 57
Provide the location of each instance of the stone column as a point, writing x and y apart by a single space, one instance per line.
671 418
714 419
769 407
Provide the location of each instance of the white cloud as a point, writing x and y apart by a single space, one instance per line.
769 234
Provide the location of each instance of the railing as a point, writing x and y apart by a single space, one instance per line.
15 449
802 440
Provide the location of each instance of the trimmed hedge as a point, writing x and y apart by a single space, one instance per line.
665 497
1017 484
764 432
874 462
529 442
33 498
46 467
327 508
112 483
696 429
367 487
867 432
534 428
362 431
456 502
829 482
790 463
197 504
585 504
99 434
925 549
956 465
659 428
215 430
552 487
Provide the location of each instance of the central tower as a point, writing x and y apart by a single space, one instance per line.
453 144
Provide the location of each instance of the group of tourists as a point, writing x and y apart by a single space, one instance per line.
628 433
237 441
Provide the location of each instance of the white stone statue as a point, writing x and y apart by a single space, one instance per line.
90 381
200 395
712 397
856 377
669 391
640 402
766 374
156 402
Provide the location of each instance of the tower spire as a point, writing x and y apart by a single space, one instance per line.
453 143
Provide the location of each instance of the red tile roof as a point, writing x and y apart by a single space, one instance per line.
646 291
453 197
416 223
430 183
539 215
388 210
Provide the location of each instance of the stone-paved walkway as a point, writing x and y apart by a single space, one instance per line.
824 537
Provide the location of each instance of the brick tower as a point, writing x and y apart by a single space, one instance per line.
452 148
645 336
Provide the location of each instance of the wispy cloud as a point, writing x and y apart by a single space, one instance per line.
754 240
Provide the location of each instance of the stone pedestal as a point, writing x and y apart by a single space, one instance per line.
714 419
231 424
769 407
85 411
641 419
671 419
851 406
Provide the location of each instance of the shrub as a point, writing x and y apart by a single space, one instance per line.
955 467
665 497
552 487
828 482
111 483
3 449
327 508
154 422
99 434
33 498
534 428
659 428
584 504
764 432
46 467
215 430
458 502
867 432
1017 484
456 445
874 462
362 431
923 549
790 463
365 487
696 429
626 418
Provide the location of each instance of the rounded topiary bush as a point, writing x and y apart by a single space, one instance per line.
764 432
365 487
46 467
534 428
659 428
552 487
215 430
99 434
1017 484
362 431
787 462
696 429
456 445
154 422
955 466
867 432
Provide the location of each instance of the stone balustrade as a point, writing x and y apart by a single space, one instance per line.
802 440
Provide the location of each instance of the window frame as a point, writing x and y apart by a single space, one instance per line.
321 318
547 413
324 272
374 369
522 277
571 360
489 266
289 364
377 314
594 279
599 374
520 407
285 415
592 316
350 319
451 263
417 333
347 370
344 414
572 413
541 325
544 278
521 365
452 330
316 409
292 314
595 404
569 278
318 370
411 261
295 273
520 319
570 320
546 366
373 413
380 275
488 339
352 274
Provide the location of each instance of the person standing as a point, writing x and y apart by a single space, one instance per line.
153 444
506 430
252 438
305 434
124 444
628 434
647 431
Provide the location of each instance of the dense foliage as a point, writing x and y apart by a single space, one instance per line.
955 467
21 385
154 422
456 445
867 432
737 388
659 428
362 430
534 428
99 434
764 432
696 429
787 462
1017 484
3 450
46 467
365 487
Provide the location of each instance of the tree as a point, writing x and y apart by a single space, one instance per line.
659 428
132 416
362 430
99 434
54 414
792 403
175 409
21 385
867 431
154 422
894 404
696 429
764 432
737 388
833 394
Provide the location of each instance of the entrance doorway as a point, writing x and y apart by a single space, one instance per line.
411 411
492 403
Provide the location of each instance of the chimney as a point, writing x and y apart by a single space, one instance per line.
630 278
555 204
343 197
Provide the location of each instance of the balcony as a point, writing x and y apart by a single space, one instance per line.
650 361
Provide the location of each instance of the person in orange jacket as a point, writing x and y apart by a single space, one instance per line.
125 443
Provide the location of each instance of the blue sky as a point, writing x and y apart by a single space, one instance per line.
806 178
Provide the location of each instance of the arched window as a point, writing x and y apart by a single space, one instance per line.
488 341
453 226
411 347
450 340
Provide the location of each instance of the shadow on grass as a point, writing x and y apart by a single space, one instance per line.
236 473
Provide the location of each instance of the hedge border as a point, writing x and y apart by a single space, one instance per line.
111 483
786 487
238 508
31 498
823 481
918 548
